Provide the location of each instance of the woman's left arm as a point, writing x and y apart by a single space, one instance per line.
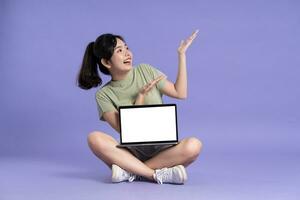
179 89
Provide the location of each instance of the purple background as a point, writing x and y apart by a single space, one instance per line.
243 95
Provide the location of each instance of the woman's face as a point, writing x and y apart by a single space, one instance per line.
121 60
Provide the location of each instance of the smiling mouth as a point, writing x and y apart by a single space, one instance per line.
127 61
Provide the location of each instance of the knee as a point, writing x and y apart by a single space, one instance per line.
95 139
192 148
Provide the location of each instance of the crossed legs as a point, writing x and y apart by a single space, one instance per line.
104 147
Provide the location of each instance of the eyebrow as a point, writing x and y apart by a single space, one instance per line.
120 46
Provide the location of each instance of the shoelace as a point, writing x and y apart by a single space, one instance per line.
162 175
131 177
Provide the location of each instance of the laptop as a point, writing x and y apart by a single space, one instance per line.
148 125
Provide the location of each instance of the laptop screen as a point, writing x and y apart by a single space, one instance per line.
148 123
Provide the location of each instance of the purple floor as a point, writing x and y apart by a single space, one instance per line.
235 164
211 177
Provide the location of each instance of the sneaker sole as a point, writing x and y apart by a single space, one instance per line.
182 173
115 174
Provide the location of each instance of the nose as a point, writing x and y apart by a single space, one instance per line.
127 52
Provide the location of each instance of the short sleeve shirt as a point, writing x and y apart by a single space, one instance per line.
124 92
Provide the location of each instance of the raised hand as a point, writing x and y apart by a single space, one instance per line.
184 45
146 88
151 84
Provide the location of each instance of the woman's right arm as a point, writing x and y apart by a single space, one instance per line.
113 119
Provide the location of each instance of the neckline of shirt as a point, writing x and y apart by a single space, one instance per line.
120 83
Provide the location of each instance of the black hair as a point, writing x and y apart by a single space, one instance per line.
103 47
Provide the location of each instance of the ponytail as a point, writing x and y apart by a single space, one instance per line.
88 76
103 47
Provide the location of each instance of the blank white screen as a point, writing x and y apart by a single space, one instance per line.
145 124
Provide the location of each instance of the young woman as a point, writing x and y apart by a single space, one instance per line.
142 84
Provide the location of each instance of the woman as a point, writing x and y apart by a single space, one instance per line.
142 84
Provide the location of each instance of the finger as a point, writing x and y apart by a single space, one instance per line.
190 40
159 79
153 83
194 34
150 85
147 90
143 90
147 85
192 37
187 44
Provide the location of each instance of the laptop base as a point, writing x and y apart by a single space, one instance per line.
151 144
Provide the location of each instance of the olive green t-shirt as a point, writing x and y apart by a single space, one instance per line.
124 92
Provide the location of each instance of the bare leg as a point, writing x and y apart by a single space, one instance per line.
183 153
104 147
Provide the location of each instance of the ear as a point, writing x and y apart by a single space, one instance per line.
105 63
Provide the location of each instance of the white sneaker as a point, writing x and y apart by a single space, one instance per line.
119 174
175 175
